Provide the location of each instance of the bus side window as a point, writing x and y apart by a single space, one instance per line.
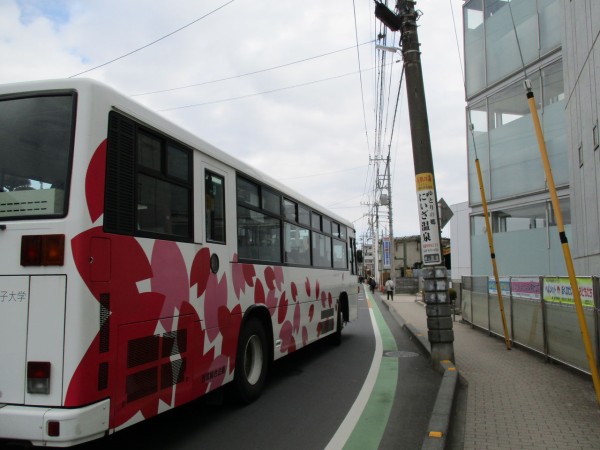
163 187
214 207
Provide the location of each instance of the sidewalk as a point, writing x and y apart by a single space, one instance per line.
514 399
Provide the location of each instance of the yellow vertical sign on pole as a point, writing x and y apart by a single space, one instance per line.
431 249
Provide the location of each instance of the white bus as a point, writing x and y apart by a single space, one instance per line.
141 267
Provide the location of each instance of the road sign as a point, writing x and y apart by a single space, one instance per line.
444 212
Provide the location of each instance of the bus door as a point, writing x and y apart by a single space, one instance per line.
218 218
353 299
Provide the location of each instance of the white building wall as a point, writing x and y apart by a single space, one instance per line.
460 241
582 87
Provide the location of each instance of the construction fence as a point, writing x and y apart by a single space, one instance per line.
540 314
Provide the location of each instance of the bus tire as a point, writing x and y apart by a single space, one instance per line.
252 362
336 338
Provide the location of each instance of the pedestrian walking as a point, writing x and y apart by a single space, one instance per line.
372 284
389 288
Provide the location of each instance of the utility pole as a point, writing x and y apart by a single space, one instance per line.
376 245
383 197
437 299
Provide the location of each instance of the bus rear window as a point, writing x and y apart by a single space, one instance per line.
36 135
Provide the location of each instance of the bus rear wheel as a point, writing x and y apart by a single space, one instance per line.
336 338
251 362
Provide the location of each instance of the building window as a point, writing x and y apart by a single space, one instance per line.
500 36
478 227
478 145
518 219
565 210
474 46
514 155
511 33
504 140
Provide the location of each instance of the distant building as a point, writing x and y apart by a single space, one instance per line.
407 256
368 265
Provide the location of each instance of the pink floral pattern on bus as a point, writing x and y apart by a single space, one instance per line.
187 319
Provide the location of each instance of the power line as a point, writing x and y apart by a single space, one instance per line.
457 44
323 173
396 110
362 94
153 42
260 93
249 73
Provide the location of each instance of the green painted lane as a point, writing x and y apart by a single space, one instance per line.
371 425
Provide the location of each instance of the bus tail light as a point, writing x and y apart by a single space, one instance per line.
43 250
53 428
38 377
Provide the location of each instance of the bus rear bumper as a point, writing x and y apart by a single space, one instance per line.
67 426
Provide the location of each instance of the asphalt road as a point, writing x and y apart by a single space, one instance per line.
307 397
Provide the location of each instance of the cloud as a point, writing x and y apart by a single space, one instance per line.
290 134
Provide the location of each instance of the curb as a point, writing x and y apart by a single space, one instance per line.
439 422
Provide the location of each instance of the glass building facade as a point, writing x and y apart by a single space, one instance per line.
505 43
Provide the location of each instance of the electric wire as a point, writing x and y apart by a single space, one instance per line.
512 18
380 105
582 68
379 109
323 173
212 102
457 44
153 42
392 174
203 83
362 94
396 109
389 94
470 123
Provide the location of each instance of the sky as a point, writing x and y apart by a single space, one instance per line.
290 88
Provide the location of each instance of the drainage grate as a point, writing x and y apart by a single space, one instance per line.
399 354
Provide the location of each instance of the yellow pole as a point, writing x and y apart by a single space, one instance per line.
492 253
563 240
